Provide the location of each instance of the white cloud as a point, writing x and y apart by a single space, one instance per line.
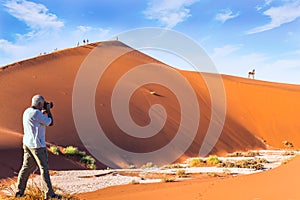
226 15
169 13
267 68
84 28
279 16
91 33
267 3
10 51
225 50
239 65
15 51
36 16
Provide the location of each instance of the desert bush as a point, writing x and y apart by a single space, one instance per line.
288 144
196 162
89 161
54 150
213 174
235 154
251 154
171 166
246 154
256 164
148 165
181 173
134 182
227 172
167 179
33 192
213 160
70 151
288 153
81 153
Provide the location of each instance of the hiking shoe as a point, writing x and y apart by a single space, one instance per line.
55 196
19 194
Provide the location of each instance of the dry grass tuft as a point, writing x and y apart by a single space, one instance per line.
33 192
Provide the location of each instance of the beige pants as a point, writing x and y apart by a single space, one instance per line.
33 157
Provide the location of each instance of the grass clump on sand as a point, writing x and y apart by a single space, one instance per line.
257 164
71 151
148 165
287 144
33 192
213 160
167 179
196 162
246 154
54 150
89 161
288 153
181 173
171 166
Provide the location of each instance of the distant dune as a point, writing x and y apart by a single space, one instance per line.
258 113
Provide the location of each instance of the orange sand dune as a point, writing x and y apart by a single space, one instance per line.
256 111
280 183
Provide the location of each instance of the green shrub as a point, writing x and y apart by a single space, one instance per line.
196 162
81 153
54 150
212 160
70 151
88 161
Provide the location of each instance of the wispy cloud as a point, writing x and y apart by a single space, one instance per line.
94 33
266 3
169 13
36 16
225 50
279 15
225 15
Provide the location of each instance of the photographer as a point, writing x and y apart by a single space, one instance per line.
34 146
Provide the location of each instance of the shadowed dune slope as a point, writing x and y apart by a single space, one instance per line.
256 111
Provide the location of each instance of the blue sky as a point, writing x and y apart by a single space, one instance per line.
237 35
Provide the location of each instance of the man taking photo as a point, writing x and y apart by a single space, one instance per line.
34 146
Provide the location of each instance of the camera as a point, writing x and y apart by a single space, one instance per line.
46 103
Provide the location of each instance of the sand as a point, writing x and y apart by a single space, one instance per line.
259 115
279 183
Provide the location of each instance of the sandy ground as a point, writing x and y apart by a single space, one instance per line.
277 184
83 182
